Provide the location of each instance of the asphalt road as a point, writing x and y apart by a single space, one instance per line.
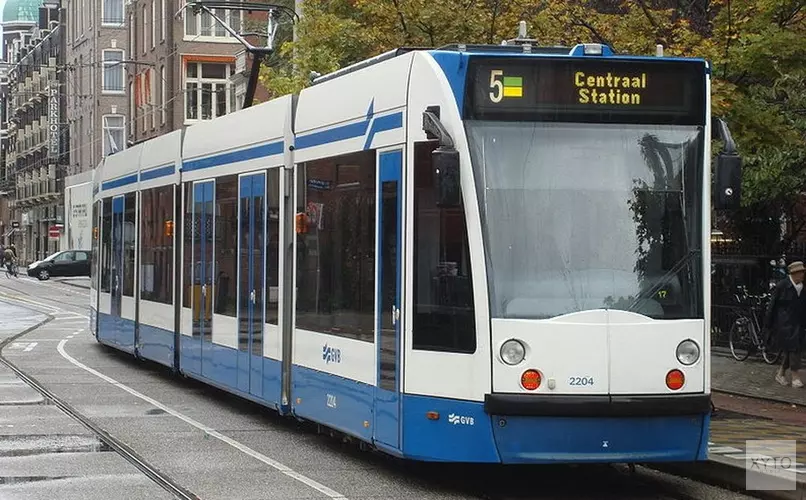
211 444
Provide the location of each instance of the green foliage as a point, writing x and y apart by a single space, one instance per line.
757 49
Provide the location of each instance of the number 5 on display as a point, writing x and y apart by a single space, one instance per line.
496 84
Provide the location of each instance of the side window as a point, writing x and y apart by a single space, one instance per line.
444 313
65 257
106 245
81 256
156 244
187 251
96 233
336 246
129 231
273 247
226 245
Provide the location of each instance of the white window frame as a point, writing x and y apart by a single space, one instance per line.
132 32
153 23
105 135
162 18
104 90
104 21
199 81
223 35
145 29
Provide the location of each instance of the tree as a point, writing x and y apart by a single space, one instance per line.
757 48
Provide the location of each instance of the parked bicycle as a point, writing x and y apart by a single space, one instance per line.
746 335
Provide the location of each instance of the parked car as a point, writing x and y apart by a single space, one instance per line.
64 263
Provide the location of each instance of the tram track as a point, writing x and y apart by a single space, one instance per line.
159 478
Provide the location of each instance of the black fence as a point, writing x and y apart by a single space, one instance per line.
749 264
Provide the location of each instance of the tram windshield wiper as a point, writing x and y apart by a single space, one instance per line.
662 281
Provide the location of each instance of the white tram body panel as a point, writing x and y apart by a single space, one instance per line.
297 254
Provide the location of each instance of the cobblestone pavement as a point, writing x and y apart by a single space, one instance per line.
751 405
751 378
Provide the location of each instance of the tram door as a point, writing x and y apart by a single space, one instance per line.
116 274
389 218
203 225
251 258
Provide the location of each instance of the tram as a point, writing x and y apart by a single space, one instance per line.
467 254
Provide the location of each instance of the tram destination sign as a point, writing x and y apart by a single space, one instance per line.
589 90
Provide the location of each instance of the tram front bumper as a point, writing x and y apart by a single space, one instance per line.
603 429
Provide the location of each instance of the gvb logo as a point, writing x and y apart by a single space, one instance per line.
460 420
331 354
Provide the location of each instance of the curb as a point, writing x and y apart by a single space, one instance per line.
728 476
76 285
756 396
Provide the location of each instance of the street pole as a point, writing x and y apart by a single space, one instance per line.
298 12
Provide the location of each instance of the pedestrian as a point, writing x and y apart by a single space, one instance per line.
784 322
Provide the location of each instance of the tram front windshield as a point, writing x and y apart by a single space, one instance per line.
580 216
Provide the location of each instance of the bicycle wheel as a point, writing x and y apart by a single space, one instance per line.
739 338
770 358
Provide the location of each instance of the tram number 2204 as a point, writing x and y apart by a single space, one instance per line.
580 381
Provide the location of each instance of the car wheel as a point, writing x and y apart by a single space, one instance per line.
43 275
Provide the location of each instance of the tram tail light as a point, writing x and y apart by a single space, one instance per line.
530 380
675 379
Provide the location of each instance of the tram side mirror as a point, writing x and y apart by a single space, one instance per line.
446 177
728 181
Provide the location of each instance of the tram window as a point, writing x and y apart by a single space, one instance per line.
187 246
156 241
106 244
336 246
96 234
444 312
226 246
129 233
273 248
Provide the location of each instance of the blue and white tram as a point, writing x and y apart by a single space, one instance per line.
471 254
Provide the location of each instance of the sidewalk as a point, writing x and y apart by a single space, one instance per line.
751 405
752 378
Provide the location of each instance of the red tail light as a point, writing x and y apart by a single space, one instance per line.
675 380
530 380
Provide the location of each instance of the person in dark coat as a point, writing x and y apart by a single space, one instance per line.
784 322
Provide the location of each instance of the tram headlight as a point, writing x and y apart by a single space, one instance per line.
513 352
688 352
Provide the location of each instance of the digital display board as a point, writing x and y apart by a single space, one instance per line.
585 89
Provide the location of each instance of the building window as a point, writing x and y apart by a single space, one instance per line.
114 134
113 12
113 76
203 24
162 18
153 23
207 93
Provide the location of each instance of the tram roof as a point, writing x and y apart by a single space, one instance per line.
519 49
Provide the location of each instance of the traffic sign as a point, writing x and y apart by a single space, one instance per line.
53 232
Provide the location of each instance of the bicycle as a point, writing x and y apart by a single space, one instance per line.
746 331
12 269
